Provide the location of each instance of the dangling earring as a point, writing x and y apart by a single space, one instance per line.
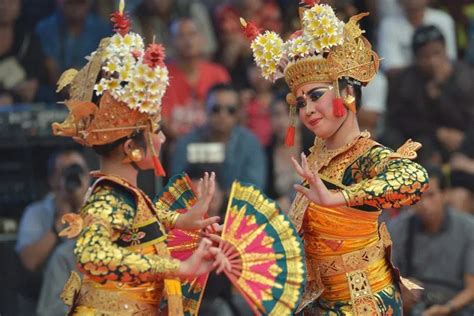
349 102
291 129
136 155
337 104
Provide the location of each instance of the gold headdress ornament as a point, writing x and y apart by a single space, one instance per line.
132 83
324 50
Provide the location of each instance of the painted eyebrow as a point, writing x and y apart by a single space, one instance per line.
311 91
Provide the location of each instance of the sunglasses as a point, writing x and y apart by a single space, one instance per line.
314 95
218 108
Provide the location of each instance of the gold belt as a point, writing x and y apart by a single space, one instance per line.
346 277
110 302
356 260
346 263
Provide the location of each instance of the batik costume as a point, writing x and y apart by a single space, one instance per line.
121 247
347 251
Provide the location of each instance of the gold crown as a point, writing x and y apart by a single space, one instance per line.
132 82
325 50
310 69
90 125
354 59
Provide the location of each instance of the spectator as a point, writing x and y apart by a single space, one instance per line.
22 70
41 222
56 274
281 174
242 157
461 12
191 77
374 103
470 45
234 45
34 11
388 8
103 7
435 246
153 18
396 33
432 100
256 105
461 193
67 35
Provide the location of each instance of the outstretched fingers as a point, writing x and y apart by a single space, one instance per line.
303 169
298 168
210 188
309 175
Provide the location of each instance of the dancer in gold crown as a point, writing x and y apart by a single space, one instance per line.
115 109
349 178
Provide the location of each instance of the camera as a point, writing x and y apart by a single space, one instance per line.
72 176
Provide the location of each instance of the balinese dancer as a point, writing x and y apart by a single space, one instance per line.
115 109
349 178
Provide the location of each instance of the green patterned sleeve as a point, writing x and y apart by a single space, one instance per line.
388 181
106 214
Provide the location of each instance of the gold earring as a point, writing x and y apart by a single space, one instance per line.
136 155
349 102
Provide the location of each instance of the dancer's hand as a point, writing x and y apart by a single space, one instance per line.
194 218
317 192
213 229
200 262
205 259
228 257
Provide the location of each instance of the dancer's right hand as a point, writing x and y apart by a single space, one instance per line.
317 192
203 260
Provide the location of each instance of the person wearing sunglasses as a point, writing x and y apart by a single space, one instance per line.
242 156
348 178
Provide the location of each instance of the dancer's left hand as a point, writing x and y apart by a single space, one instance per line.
317 192
194 218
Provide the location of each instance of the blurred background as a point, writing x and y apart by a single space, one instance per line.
219 114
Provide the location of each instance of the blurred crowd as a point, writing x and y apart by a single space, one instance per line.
220 114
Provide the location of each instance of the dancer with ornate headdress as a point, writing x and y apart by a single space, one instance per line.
115 108
348 177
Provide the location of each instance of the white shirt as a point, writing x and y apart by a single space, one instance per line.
387 8
374 95
396 33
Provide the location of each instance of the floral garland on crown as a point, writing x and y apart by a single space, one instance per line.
321 31
132 75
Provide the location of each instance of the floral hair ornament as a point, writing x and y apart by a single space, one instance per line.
325 50
129 80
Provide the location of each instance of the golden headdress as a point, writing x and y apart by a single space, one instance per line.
325 50
132 83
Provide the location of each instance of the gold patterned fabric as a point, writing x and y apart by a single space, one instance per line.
351 262
122 280
347 252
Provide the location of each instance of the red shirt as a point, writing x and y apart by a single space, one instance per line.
259 121
183 104
268 17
